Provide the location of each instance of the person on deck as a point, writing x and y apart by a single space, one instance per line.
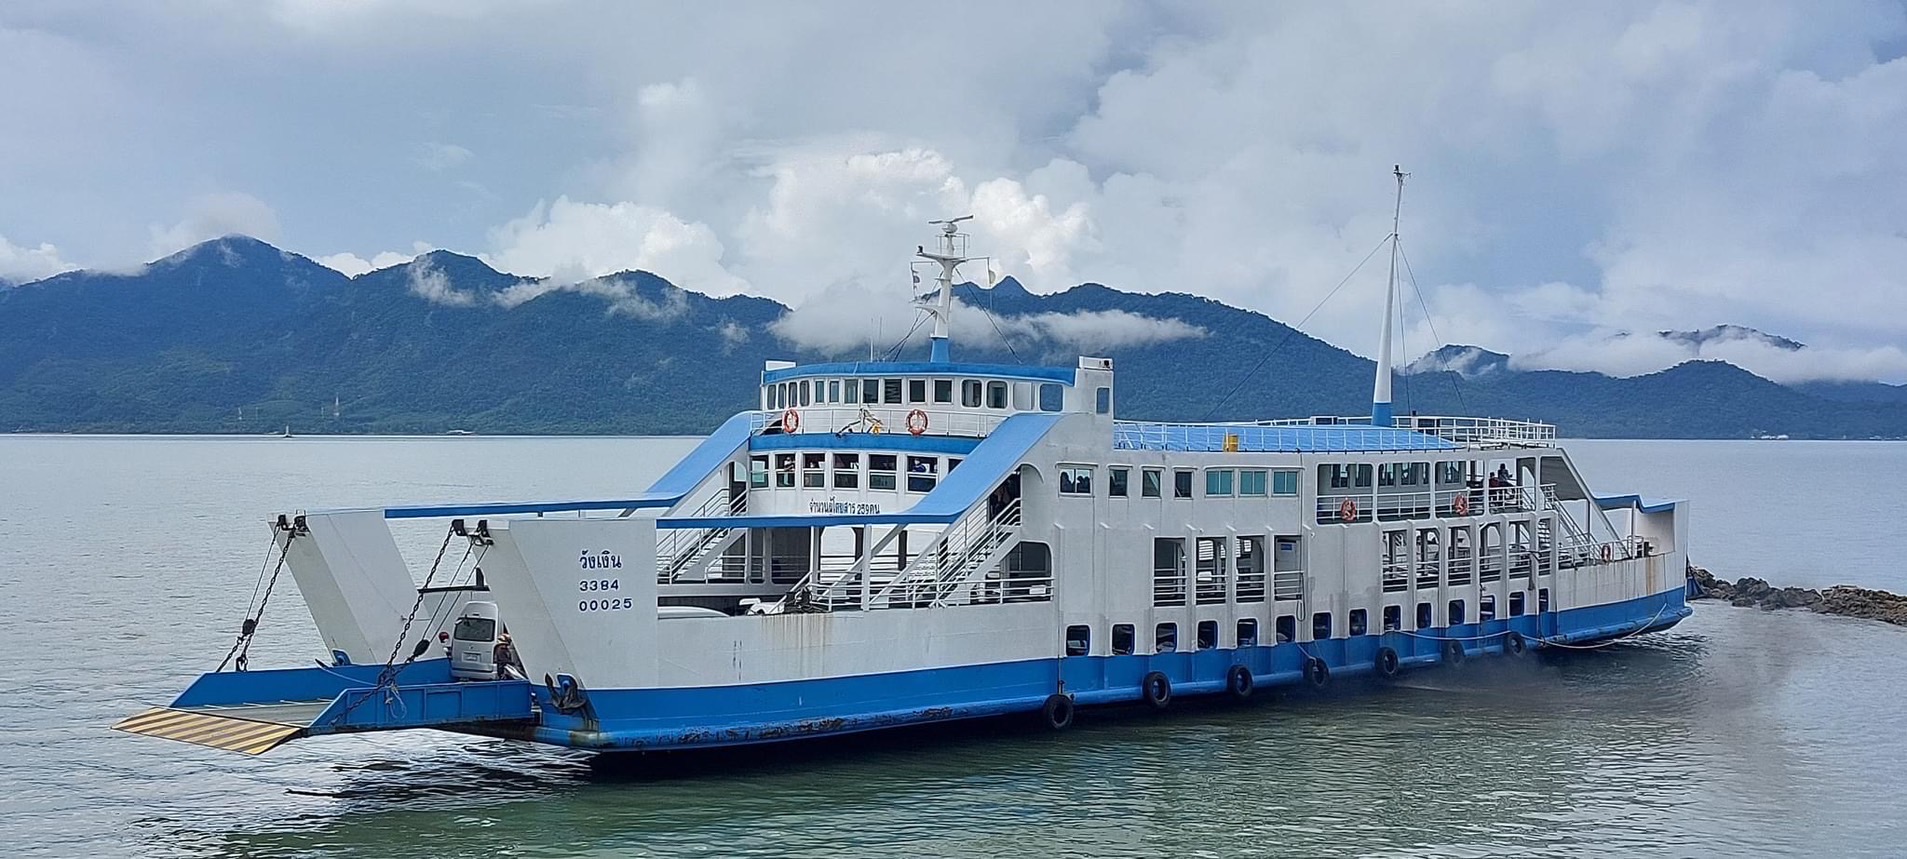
509 665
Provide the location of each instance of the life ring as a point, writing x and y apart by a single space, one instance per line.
1238 682
1347 510
1461 506
1156 689
1057 714
1608 553
917 422
1387 662
791 421
1513 643
1317 673
1453 652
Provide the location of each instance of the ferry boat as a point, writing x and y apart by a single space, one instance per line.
890 543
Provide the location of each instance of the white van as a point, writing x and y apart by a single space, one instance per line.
473 642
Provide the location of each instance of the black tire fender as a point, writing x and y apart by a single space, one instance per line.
1453 652
1239 682
1317 672
1057 713
1156 690
1513 644
1387 662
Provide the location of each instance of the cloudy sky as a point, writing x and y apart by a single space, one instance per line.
1578 169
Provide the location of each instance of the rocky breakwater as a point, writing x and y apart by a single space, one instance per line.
1845 600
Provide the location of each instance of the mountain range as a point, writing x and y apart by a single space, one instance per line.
234 335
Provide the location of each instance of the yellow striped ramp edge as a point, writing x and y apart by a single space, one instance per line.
217 731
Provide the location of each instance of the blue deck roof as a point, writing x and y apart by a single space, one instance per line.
1646 505
982 470
1064 375
1257 439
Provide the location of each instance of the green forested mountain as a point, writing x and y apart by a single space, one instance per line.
236 336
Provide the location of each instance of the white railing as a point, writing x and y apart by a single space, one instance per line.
1168 587
938 574
941 419
1287 584
1251 586
679 548
1457 429
1453 502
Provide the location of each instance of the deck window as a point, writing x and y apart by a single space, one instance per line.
1182 484
1387 473
1486 608
1338 475
943 390
970 393
996 395
1287 629
1284 482
1122 639
1424 620
814 473
880 471
1251 482
1248 632
847 471
1207 634
1102 401
1218 481
922 473
1149 482
1075 480
1118 481
891 391
834 390
1079 640
1450 473
852 391
917 390
1321 626
1052 397
1360 622
1361 476
1516 604
1165 638
804 393
953 462
1542 601
1456 612
784 471
758 472
1393 618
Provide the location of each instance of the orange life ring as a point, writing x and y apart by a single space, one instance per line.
791 421
917 422
1461 506
1348 510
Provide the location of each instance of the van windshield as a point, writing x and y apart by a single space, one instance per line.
475 629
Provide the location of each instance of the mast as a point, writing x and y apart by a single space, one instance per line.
1381 392
950 254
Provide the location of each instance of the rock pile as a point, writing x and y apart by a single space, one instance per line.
1844 600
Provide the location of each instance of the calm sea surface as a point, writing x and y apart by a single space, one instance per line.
125 564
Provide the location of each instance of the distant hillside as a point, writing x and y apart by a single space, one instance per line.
235 335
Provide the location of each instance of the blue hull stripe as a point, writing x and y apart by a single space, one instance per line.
735 715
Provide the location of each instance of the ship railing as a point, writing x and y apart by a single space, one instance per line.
1448 503
950 563
1455 429
1396 575
679 548
1168 586
941 419
1251 585
1287 584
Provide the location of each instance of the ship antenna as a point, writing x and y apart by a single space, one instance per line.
1381 392
950 254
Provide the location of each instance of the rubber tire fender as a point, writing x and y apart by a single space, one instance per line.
1513 643
1387 663
1156 690
1239 682
1057 713
1317 672
1453 652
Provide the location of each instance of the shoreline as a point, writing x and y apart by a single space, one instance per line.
1843 600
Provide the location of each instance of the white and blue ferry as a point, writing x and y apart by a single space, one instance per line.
893 543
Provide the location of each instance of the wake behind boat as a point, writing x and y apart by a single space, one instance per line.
887 543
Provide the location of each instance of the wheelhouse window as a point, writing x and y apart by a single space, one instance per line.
870 391
943 390
1218 482
970 393
880 471
834 390
917 390
1076 480
891 391
1284 482
784 470
847 471
996 395
851 391
922 473
1182 483
814 473
1052 397
1251 482
758 472
1150 482
1118 481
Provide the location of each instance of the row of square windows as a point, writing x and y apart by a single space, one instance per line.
1219 482
923 472
974 393
1166 635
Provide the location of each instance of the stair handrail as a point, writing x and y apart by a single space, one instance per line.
969 532
683 545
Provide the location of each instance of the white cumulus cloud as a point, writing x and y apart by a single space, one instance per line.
20 264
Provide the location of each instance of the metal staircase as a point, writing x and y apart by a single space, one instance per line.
955 568
684 549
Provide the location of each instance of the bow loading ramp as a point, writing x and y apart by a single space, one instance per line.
253 712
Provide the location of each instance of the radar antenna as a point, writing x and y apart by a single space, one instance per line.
949 254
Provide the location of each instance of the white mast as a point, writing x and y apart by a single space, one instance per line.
1381 394
950 254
